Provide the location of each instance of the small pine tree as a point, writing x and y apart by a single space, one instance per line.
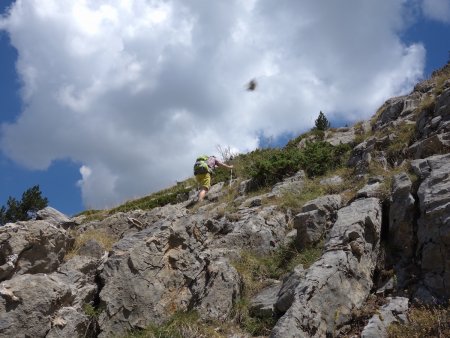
32 201
322 122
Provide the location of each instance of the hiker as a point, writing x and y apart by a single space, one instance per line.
203 168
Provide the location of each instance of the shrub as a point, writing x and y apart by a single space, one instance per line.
320 157
269 166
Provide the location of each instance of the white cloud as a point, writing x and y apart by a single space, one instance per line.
134 90
437 10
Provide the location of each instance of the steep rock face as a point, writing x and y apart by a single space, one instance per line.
315 218
158 271
401 217
50 305
433 231
341 279
43 305
182 264
28 302
397 109
31 247
433 127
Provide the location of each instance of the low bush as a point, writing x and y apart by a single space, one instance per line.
266 167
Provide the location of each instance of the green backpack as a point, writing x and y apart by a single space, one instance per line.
201 165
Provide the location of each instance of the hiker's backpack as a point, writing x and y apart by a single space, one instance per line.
201 165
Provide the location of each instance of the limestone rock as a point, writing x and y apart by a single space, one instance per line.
394 311
315 218
262 305
332 181
398 107
401 217
49 245
55 217
433 233
292 184
435 144
286 293
340 136
160 270
36 299
340 280
361 157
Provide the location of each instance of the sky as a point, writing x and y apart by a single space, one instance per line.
106 101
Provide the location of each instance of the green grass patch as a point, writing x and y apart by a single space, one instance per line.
180 325
256 270
255 326
158 199
294 200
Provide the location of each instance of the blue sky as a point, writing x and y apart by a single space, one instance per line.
103 103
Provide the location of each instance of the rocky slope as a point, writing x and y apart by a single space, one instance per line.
384 233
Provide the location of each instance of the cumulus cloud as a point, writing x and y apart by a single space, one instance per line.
437 10
134 90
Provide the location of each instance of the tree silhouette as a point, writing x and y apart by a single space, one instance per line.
322 122
32 201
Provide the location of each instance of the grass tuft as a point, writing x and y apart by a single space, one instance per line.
181 325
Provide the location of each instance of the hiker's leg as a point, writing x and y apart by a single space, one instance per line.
205 182
202 194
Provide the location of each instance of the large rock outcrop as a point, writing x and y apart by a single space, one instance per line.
182 263
433 232
341 279
31 247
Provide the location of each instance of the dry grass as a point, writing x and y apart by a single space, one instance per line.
100 236
405 136
426 104
424 321
440 77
